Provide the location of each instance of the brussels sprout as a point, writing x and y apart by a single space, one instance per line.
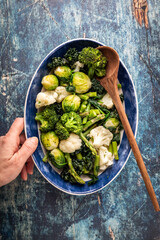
63 72
81 82
49 140
71 103
111 123
50 82
57 158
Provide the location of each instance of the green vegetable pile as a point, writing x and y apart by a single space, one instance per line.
65 125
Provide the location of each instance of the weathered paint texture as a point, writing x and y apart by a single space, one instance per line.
36 210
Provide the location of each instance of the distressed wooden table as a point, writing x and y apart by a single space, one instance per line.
123 210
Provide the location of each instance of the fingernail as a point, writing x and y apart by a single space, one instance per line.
34 140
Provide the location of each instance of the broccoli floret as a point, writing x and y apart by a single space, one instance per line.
57 61
49 111
47 118
97 87
71 56
95 61
45 126
72 121
61 131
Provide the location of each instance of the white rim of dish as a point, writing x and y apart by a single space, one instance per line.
92 191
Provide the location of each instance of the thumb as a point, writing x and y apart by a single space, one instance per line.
28 147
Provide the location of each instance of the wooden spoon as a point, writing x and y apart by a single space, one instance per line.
109 82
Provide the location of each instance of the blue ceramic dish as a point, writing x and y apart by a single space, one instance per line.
31 128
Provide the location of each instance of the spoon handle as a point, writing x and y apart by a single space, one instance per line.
135 150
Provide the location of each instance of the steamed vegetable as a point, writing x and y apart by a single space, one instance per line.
83 106
70 88
93 113
97 87
88 144
61 131
71 56
49 140
102 109
57 61
70 144
45 98
100 136
58 109
63 73
96 165
86 96
77 66
57 158
111 123
93 120
47 118
71 103
107 101
72 121
50 82
62 93
106 158
115 150
94 60
81 82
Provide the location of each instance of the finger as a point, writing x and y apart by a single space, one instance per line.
24 173
16 128
27 149
30 166
22 138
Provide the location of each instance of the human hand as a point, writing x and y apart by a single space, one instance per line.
15 152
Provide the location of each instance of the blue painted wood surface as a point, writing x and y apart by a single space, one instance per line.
123 210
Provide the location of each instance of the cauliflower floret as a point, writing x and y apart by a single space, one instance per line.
71 144
45 98
62 93
107 101
77 66
100 136
106 158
